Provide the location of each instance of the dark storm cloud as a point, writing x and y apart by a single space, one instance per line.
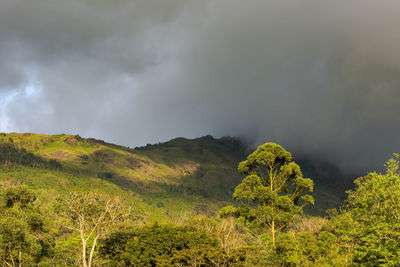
320 77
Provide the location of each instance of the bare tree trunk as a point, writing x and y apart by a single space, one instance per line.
273 232
83 249
19 258
92 250
11 255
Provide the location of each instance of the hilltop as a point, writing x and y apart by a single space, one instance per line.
181 177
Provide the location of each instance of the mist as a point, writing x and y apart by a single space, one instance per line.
320 78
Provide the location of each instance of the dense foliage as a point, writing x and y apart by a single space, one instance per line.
275 185
25 237
369 224
165 245
52 216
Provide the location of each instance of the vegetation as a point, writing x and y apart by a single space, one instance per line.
275 184
92 216
69 201
166 245
25 238
369 224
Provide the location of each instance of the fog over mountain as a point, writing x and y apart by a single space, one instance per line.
322 78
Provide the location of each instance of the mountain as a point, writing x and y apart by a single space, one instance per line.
164 181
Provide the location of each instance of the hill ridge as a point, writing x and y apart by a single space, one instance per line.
202 171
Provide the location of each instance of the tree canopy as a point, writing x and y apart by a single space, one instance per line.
272 192
369 223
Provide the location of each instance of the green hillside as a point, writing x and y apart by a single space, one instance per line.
164 181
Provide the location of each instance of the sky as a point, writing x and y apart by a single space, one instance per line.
321 78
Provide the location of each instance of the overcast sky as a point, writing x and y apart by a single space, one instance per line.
321 78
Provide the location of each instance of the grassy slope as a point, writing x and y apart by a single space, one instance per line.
164 181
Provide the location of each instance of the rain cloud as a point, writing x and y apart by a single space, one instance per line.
321 78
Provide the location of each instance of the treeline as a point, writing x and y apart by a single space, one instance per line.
9 154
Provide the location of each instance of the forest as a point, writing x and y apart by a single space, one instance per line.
263 225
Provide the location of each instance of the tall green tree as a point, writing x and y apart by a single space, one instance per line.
369 224
272 192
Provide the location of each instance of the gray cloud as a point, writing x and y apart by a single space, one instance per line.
319 77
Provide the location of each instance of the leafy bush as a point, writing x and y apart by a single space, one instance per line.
162 245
